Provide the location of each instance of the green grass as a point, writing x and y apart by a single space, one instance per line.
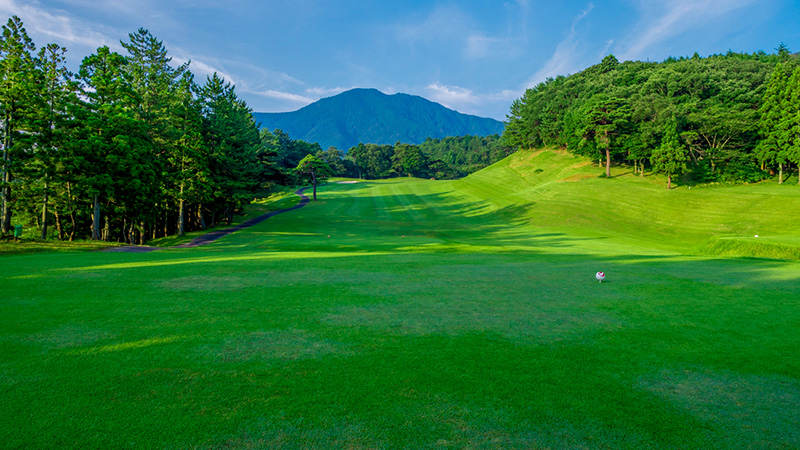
448 314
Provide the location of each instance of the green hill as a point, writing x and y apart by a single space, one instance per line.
556 189
371 117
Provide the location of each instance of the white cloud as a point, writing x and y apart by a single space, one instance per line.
278 95
319 92
56 26
203 70
450 95
466 100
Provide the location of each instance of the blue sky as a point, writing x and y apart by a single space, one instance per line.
473 56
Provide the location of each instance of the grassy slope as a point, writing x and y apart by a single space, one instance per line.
436 315
568 194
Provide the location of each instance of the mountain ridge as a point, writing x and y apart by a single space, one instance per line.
369 116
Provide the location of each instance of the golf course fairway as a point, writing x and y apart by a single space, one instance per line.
420 314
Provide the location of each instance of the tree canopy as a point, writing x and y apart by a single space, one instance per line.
728 113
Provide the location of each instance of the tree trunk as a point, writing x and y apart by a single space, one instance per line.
72 221
314 180
200 216
141 233
96 219
181 213
5 192
608 162
669 181
780 173
59 228
44 213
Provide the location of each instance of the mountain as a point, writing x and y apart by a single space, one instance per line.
371 117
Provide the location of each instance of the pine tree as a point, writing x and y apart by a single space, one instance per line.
17 94
317 168
790 122
233 142
605 119
111 155
670 157
769 149
55 95
189 157
155 82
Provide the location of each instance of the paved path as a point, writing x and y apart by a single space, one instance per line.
214 235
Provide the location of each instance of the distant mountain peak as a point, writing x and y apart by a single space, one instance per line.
366 115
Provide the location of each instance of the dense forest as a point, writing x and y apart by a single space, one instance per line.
128 148
447 158
732 117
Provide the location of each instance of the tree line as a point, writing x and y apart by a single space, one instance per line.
128 148
447 158
727 117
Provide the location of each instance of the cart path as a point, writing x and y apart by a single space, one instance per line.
214 235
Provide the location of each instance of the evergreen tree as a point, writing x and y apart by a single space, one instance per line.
56 94
790 122
18 87
112 156
316 168
233 143
670 157
605 120
769 150
189 157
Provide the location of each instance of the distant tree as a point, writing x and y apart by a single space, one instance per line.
410 159
670 157
233 143
56 94
189 156
316 168
335 159
769 150
604 121
110 151
790 124
18 78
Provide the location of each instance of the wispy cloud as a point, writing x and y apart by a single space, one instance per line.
466 100
565 59
664 20
450 95
320 92
202 69
278 95
55 26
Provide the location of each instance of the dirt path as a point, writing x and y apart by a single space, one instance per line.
214 235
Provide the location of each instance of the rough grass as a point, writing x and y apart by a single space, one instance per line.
458 314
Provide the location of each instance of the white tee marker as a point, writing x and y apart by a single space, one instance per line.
600 276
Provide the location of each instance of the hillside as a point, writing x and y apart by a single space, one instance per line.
559 191
371 117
